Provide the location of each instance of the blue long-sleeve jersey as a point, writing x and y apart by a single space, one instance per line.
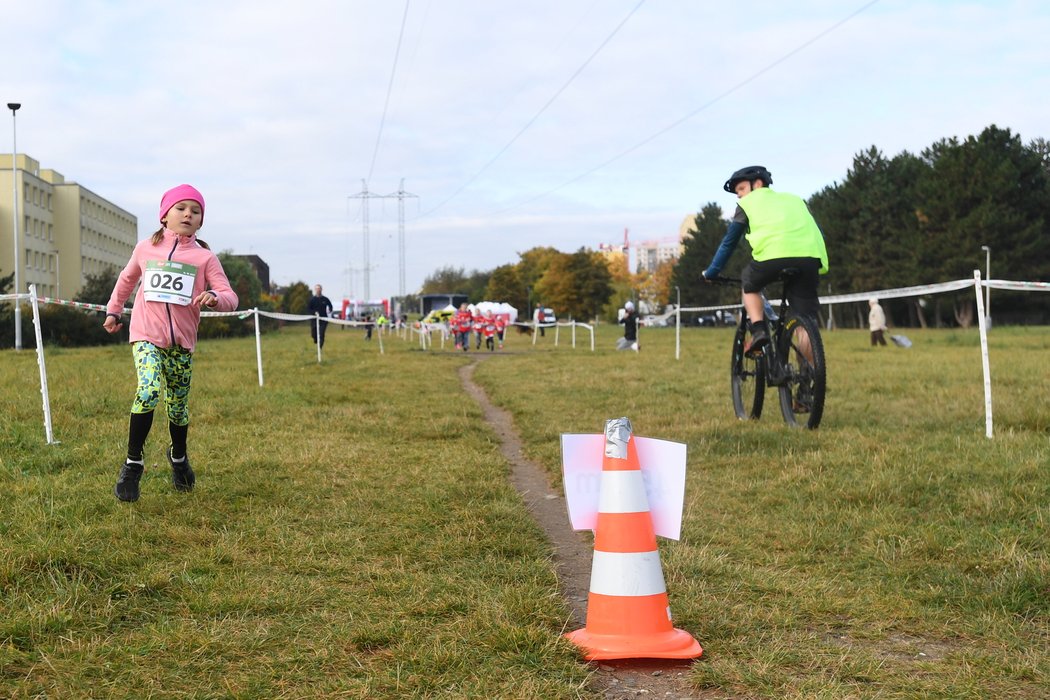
737 228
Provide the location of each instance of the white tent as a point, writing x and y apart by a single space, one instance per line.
497 308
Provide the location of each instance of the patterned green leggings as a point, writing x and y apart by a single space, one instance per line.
172 365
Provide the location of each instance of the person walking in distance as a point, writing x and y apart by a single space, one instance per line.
319 305
179 276
876 322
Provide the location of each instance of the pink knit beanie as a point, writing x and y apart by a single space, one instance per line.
177 194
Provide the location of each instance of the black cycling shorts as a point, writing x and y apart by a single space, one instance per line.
801 292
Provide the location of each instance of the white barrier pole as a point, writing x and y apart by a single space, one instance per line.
574 335
557 333
592 338
535 332
317 330
379 334
678 332
258 345
43 367
981 323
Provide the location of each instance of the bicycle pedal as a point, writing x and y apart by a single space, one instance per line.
755 351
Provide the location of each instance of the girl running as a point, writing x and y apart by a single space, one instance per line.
180 276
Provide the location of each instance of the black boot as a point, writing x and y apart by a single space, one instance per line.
759 339
182 476
127 488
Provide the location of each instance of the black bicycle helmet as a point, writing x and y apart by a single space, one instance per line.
750 173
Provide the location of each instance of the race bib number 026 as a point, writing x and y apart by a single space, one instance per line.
169 281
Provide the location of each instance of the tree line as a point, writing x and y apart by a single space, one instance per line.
897 221
900 221
71 326
920 219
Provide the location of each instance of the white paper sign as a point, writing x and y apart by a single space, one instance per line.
663 471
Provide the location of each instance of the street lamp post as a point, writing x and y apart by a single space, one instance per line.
987 289
677 322
13 106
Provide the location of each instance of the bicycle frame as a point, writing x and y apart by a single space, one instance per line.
793 361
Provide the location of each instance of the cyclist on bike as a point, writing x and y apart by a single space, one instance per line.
782 234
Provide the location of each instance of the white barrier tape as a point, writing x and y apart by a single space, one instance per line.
204 314
214 314
622 492
627 574
896 293
1018 286
899 292
724 307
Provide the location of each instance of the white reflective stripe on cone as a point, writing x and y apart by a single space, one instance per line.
622 492
627 574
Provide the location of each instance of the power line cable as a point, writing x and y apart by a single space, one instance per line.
555 50
389 89
691 114
538 114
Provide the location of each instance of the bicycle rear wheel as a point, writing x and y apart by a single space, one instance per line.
802 351
748 378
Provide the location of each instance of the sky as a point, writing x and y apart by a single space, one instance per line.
507 125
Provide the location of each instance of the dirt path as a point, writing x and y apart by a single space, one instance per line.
572 562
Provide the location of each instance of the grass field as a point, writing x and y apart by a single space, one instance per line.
353 532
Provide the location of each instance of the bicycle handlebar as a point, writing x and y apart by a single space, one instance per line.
722 280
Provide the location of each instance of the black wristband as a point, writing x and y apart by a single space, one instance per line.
115 316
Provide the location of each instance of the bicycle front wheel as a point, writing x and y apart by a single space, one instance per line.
801 350
748 378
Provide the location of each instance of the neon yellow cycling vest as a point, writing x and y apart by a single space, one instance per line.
780 226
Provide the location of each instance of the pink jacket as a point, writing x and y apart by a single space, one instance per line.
167 324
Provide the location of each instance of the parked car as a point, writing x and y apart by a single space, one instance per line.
718 318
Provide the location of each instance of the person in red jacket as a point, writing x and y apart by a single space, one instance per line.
461 325
488 329
179 276
501 327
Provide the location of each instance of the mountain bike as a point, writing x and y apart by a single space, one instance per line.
792 361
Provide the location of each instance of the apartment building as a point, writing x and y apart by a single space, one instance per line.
652 253
66 232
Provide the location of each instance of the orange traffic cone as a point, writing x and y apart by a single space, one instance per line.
628 616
